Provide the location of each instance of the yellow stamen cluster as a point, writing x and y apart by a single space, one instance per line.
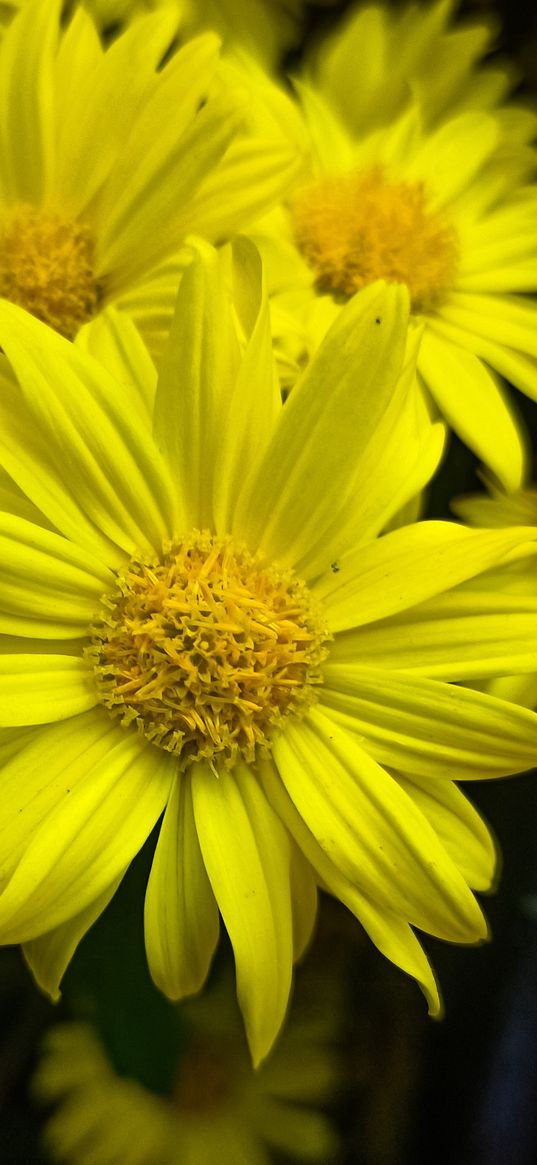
207 648
46 266
359 227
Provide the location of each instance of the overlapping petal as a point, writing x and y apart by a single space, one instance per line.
247 855
111 466
181 915
306 476
371 831
428 727
78 822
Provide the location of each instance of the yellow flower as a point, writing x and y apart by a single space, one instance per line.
220 1112
444 208
203 621
108 160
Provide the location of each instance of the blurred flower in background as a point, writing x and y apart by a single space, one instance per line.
438 196
220 1112
99 184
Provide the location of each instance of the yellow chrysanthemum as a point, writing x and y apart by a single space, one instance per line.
108 160
519 582
220 1111
446 210
204 621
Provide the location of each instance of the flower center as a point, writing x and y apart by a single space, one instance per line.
46 266
356 228
207 649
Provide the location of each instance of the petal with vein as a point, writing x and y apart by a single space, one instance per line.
459 636
26 102
49 588
458 825
407 566
307 473
38 689
89 835
428 727
517 367
112 467
372 831
475 405
197 372
246 853
181 915
114 340
391 934
48 957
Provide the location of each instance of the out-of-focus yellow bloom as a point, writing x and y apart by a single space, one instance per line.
446 208
108 161
220 1112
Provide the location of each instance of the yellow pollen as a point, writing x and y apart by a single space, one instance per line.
356 228
46 266
207 649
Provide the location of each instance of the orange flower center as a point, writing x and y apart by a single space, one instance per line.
207 649
356 228
46 266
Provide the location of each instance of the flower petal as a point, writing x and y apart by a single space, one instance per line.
48 957
101 94
157 174
37 689
198 367
49 588
371 831
407 566
101 808
307 473
458 825
253 403
26 102
181 915
476 406
392 935
459 636
114 340
113 467
517 367
399 460
428 727
305 901
246 854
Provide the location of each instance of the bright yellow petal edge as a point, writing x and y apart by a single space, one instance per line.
284 772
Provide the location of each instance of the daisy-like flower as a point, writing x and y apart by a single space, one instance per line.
446 210
204 621
219 1112
109 158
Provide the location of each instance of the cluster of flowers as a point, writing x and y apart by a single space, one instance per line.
239 315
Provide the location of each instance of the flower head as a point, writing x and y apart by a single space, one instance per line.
202 619
447 207
110 158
